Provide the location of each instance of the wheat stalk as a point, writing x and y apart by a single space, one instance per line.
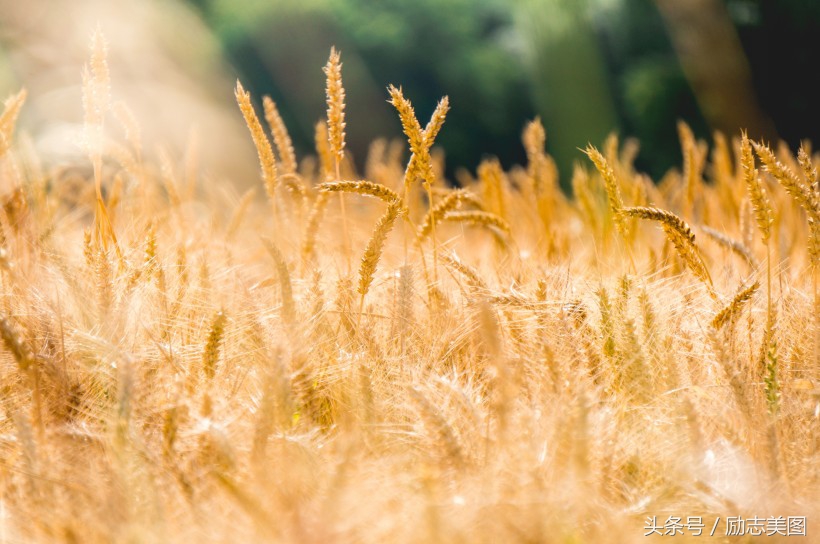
128 121
764 215
322 143
96 104
240 212
335 94
312 228
404 304
809 199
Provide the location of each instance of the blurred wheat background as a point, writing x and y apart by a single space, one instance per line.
586 68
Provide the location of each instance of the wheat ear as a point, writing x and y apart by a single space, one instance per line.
27 363
809 200
420 158
478 217
335 93
15 343
761 205
335 106
429 135
729 312
322 144
8 120
534 138
796 187
814 244
420 163
96 104
809 169
469 273
680 235
260 140
281 137
691 170
288 305
762 209
735 246
210 355
437 423
362 187
450 202
375 246
491 177
613 191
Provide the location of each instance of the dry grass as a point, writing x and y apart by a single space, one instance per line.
200 370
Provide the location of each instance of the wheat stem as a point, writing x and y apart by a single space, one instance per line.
336 131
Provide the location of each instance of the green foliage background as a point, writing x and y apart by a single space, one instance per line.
587 67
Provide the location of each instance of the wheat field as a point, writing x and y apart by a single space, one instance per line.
379 356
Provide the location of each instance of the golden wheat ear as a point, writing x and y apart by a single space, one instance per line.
373 251
335 92
692 165
791 182
680 235
761 205
281 137
415 136
8 120
335 105
362 187
613 191
260 141
730 312
97 104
